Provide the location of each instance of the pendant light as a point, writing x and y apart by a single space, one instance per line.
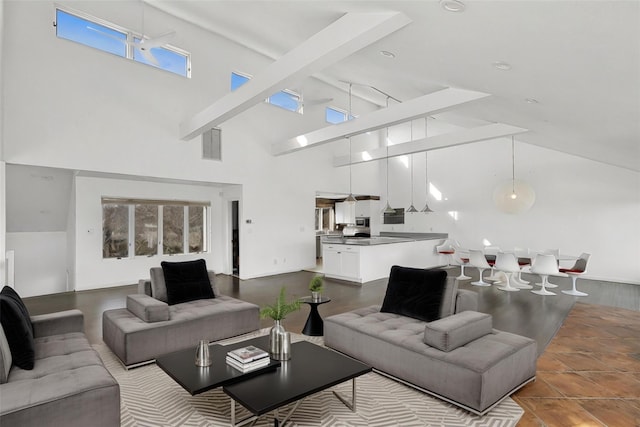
350 198
387 208
514 196
426 208
412 208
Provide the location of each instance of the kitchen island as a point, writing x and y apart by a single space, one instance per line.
366 259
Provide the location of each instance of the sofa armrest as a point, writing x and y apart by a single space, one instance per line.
61 322
466 301
144 287
148 308
451 332
214 286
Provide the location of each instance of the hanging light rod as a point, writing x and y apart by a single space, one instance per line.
432 103
467 136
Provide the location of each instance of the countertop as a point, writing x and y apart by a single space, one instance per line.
385 238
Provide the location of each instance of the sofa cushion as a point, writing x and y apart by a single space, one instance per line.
454 331
415 292
17 328
186 281
5 357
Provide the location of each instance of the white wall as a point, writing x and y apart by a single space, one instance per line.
40 262
92 271
581 205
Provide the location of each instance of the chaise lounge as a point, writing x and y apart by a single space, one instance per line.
427 334
172 311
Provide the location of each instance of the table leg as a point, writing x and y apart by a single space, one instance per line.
351 405
251 419
314 325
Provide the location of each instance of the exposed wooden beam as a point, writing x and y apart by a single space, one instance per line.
347 35
467 136
418 107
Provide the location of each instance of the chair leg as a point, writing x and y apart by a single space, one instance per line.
495 277
544 290
508 286
480 282
574 291
521 284
462 276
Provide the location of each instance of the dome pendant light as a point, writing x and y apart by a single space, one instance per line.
426 208
412 208
350 198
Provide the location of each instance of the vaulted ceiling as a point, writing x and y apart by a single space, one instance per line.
574 67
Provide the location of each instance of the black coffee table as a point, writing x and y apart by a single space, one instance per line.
311 369
195 379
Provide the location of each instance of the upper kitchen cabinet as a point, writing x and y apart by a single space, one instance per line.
346 213
365 208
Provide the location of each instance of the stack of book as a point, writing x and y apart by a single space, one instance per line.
248 358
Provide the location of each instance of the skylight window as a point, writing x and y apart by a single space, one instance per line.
335 115
238 80
287 99
111 38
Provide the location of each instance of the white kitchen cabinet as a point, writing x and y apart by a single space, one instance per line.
345 213
341 262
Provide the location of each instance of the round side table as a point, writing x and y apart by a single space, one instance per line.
315 324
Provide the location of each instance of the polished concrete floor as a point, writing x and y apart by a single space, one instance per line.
524 313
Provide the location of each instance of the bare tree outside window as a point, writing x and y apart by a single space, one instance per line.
196 229
146 219
173 230
115 231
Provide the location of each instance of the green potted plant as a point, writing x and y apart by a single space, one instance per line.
279 339
315 286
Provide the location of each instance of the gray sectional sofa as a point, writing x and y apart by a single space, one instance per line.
149 327
68 385
459 357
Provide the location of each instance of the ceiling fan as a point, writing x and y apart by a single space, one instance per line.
143 43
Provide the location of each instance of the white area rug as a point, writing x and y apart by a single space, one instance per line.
151 398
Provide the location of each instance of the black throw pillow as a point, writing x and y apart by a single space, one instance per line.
16 323
186 281
415 292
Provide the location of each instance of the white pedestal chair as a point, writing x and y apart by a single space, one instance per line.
490 253
507 263
461 256
545 265
446 248
477 260
524 261
556 254
578 268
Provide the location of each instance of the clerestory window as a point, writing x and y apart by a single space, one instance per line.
108 37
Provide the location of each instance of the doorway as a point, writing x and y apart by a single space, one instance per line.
235 239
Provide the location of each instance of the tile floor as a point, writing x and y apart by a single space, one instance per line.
589 375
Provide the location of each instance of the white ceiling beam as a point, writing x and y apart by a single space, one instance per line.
347 35
452 139
432 103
